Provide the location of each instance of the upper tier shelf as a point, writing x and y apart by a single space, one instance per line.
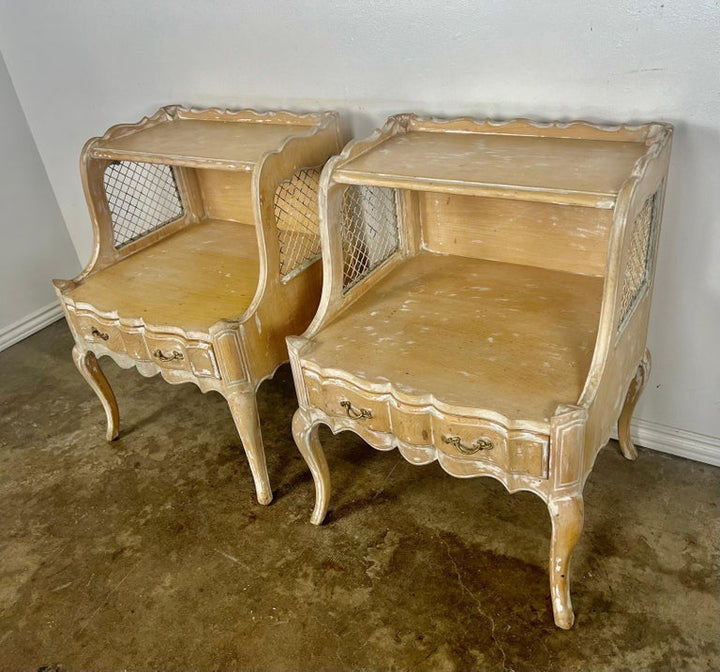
525 167
213 143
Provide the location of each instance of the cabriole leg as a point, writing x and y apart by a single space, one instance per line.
566 514
308 443
88 366
633 394
243 407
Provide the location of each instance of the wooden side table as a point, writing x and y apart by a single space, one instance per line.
206 251
485 304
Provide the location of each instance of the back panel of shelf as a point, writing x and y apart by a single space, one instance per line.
567 238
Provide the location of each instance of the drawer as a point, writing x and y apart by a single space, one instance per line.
96 331
514 451
173 352
167 351
342 400
472 439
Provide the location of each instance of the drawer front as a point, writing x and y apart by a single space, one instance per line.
473 439
343 400
514 451
96 331
166 350
173 352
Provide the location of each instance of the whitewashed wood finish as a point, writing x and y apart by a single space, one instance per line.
551 370
559 237
200 299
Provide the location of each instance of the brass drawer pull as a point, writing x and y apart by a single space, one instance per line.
356 414
158 354
99 334
478 444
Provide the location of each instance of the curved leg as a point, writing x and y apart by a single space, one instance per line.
88 366
308 443
633 394
243 407
567 515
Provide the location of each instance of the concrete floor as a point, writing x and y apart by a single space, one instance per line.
151 552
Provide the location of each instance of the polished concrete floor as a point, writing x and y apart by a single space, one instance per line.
151 553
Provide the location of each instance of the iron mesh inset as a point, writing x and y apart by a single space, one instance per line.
142 197
369 230
296 218
637 270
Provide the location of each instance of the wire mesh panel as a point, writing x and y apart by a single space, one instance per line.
142 197
637 270
296 218
369 230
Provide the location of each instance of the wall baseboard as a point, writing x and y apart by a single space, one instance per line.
693 446
29 324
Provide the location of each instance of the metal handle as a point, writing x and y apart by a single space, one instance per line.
168 358
478 444
356 414
95 332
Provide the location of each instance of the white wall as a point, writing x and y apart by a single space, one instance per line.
35 245
80 66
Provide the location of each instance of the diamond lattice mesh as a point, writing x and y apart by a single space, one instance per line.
638 265
142 197
296 217
369 230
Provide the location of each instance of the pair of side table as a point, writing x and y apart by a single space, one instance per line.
485 286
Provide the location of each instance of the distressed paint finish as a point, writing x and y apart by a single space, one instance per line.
500 361
635 389
569 165
200 299
558 237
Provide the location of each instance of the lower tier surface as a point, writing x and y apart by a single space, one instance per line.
472 333
191 279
